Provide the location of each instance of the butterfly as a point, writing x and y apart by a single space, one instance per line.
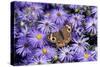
62 37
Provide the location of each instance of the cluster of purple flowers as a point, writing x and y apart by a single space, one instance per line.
34 21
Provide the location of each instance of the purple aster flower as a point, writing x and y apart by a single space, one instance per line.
25 15
23 47
33 8
66 54
36 38
28 14
94 10
78 31
37 9
76 19
59 16
77 49
46 51
86 56
38 60
47 26
91 26
81 41
24 31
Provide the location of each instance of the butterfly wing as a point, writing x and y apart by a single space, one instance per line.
66 33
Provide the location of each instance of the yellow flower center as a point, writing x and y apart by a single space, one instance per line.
55 57
86 55
44 50
76 10
39 36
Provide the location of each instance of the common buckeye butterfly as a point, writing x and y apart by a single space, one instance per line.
62 37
